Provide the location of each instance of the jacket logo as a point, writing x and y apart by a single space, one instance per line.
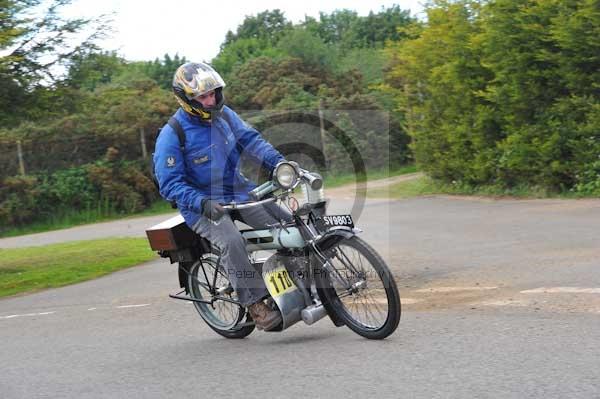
170 162
200 160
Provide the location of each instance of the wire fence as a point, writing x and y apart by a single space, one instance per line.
48 154
314 136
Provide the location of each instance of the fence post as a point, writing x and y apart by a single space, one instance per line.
322 129
20 155
143 141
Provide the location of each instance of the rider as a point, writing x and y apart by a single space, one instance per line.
207 175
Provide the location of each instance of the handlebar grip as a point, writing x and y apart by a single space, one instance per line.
314 180
262 190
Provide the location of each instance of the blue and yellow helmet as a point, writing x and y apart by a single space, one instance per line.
193 79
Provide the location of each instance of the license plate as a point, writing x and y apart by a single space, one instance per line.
337 220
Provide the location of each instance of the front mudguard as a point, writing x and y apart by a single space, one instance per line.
332 237
324 288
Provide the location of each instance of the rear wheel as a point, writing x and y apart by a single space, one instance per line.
362 290
207 280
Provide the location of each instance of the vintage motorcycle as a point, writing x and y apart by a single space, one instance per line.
319 266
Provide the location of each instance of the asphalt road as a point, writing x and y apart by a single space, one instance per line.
501 299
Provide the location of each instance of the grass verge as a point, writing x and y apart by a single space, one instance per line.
426 186
406 189
33 269
339 180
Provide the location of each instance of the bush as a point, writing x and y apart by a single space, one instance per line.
122 183
19 200
107 185
589 181
68 188
503 93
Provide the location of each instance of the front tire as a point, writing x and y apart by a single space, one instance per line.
221 316
361 289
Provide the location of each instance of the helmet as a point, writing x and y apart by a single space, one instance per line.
193 79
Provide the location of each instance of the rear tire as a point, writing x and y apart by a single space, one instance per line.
361 289
221 316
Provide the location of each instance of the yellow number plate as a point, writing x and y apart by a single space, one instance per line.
279 282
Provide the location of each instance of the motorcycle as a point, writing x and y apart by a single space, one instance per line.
318 266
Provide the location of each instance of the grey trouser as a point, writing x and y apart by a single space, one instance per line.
224 234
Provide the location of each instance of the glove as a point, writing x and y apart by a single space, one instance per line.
212 209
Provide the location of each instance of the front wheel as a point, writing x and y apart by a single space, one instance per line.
361 289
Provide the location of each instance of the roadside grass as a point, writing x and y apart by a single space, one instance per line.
406 189
426 186
332 181
31 269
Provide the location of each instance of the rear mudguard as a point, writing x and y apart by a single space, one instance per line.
324 289
196 252
184 272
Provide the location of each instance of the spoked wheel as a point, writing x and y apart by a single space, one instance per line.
207 280
364 294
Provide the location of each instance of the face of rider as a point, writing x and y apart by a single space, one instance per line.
207 100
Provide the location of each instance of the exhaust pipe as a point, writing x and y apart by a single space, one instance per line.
313 313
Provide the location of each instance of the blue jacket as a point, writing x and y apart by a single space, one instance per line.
210 167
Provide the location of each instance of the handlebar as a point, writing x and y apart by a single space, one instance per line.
245 205
314 180
262 190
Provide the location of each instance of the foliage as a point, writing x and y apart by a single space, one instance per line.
266 26
19 197
69 188
264 82
308 47
90 69
160 71
123 184
346 29
33 47
237 53
502 92
116 185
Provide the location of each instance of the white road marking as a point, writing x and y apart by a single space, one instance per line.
562 290
92 309
12 316
133 306
455 289
508 302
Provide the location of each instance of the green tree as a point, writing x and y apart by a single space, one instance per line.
240 51
161 71
267 26
334 27
310 48
33 47
348 30
436 76
503 92
91 69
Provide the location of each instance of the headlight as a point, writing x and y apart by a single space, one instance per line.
286 175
